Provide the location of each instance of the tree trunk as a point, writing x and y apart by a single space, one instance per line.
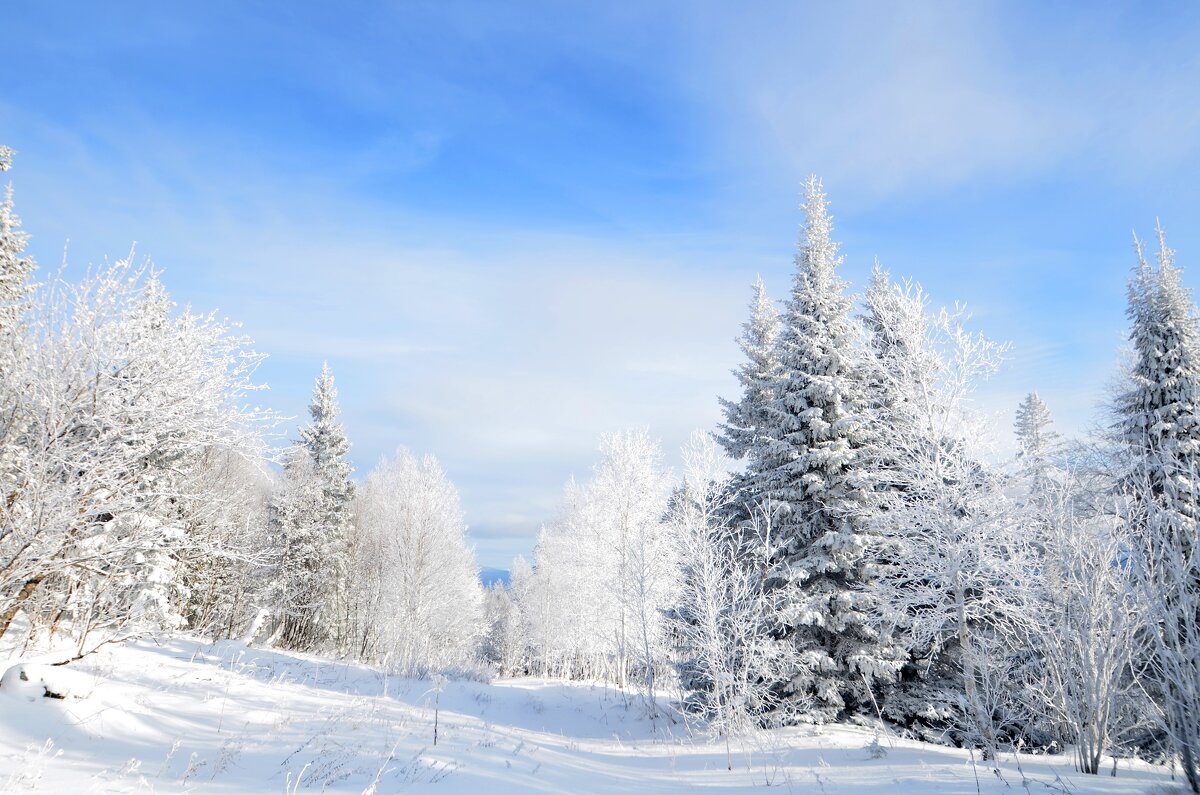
27 590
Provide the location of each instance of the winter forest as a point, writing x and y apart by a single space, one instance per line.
844 550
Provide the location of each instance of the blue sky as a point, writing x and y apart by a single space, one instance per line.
512 227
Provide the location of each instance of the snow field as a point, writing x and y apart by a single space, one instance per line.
187 716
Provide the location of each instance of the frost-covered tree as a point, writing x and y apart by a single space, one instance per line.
571 616
898 363
627 499
417 599
606 570
228 555
16 270
122 399
901 365
1086 628
1159 423
748 421
328 447
312 514
514 637
727 661
809 469
1037 442
302 580
953 565
505 642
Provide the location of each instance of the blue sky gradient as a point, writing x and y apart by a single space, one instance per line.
511 227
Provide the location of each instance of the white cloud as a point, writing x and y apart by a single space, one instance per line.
920 98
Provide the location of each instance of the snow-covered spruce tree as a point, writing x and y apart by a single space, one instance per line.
1037 442
808 467
1159 423
16 271
899 367
300 582
312 515
749 422
897 364
418 601
327 448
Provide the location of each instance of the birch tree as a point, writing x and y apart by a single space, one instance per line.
1087 629
419 602
606 569
728 663
955 571
122 398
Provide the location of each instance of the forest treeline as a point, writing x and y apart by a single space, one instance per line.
842 547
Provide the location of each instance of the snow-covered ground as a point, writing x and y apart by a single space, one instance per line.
187 716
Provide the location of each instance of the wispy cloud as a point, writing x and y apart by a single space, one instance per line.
512 232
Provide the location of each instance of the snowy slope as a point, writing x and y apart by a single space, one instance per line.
186 716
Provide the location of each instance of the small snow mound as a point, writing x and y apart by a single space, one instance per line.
44 681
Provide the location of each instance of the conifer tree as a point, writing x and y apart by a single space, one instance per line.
811 473
1159 422
1037 443
16 270
327 447
312 515
939 525
901 370
748 420
301 581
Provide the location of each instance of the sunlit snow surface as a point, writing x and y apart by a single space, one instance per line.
187 716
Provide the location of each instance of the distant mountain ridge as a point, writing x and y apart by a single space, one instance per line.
490 576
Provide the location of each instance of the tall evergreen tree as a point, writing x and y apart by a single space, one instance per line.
810 474
937 526
301 582
1159 414
312 515
748 421
1159 421
1037 442
327 447
16 271
901 371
